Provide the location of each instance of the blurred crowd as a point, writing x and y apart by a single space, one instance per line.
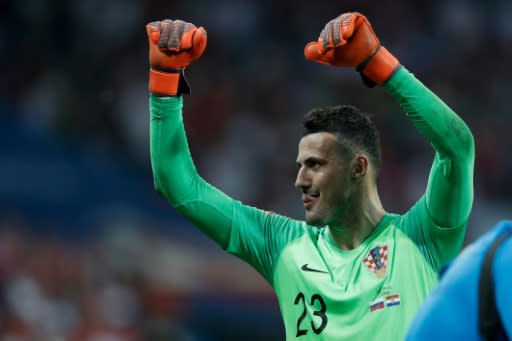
129 282
76 71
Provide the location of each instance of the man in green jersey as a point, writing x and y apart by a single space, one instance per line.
351 270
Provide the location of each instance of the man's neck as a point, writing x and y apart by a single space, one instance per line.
355 228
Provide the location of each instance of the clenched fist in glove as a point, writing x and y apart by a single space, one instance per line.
173 45
350 41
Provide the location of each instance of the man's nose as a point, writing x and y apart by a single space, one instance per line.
302 181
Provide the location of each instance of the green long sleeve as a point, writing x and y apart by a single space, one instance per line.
244 231
175 175
449 194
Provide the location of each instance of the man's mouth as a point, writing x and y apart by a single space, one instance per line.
309 200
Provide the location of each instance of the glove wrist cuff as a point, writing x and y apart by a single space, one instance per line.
380 67
168 83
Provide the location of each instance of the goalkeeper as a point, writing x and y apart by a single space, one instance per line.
351 270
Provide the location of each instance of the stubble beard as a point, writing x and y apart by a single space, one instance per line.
323 216
317 218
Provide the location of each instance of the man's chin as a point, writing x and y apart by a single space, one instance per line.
314 220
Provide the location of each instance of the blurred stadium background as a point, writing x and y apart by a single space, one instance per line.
88 250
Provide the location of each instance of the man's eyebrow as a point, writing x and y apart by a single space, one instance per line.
311 159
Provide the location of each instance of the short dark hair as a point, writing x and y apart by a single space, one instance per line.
354 129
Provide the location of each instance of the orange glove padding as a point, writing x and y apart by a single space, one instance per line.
349 41
173 45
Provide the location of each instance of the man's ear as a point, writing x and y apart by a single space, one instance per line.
360 166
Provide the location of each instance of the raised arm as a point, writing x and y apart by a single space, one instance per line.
251 234
449 194
349 41
175 175
173 45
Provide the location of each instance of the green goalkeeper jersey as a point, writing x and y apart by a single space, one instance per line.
326 293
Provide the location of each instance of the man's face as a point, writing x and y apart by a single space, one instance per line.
324 179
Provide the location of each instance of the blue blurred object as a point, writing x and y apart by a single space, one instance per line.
451 311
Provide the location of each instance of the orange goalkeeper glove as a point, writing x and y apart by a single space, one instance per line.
173 45
350 41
